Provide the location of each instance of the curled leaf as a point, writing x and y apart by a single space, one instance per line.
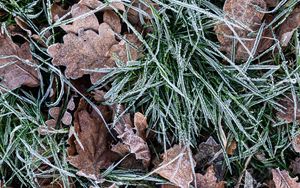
133 141
16 65
177 166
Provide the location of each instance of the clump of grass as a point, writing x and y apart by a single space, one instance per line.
184 84
188 88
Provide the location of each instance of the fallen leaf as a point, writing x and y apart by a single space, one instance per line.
295 166
124 50
113 20
208 180
249 16
83 20
86 51
249 181
140 123
296 143
57 11
93 4
283 180
131 140
177 166
207 150
14 72
287 113
231 148
91 152
287 28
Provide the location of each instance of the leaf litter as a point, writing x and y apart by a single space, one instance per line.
90 45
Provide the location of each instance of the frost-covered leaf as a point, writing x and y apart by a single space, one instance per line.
289 109
209 180
16 64
177 166
90 152
86 51
283 180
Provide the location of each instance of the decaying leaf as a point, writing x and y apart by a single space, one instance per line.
207 150
132 140
249 16
57 11
209 180
289 108
231 148
83 20
54 112
295 166
177 166
249 181
113 20
16 64
287 28
124 50
91 152
86 51
296 143
283 180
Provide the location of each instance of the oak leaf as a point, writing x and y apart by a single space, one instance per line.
209 180
248 15
177 167
86 51
133 140
83 20
295 166
113 20
90 152
16 64
283 180
127 49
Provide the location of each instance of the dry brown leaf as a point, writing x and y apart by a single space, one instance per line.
209 180
58 11
177 166
120 51
140 123
283 180
247 15
287 28
136 144
296 143
295 166
93 4
85 22
91 151
86 51
113 20
207 150
231 148
13 72
287 113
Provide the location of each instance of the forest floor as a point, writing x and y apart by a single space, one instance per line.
149 93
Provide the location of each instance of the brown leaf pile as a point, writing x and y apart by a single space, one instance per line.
90 45
16 64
